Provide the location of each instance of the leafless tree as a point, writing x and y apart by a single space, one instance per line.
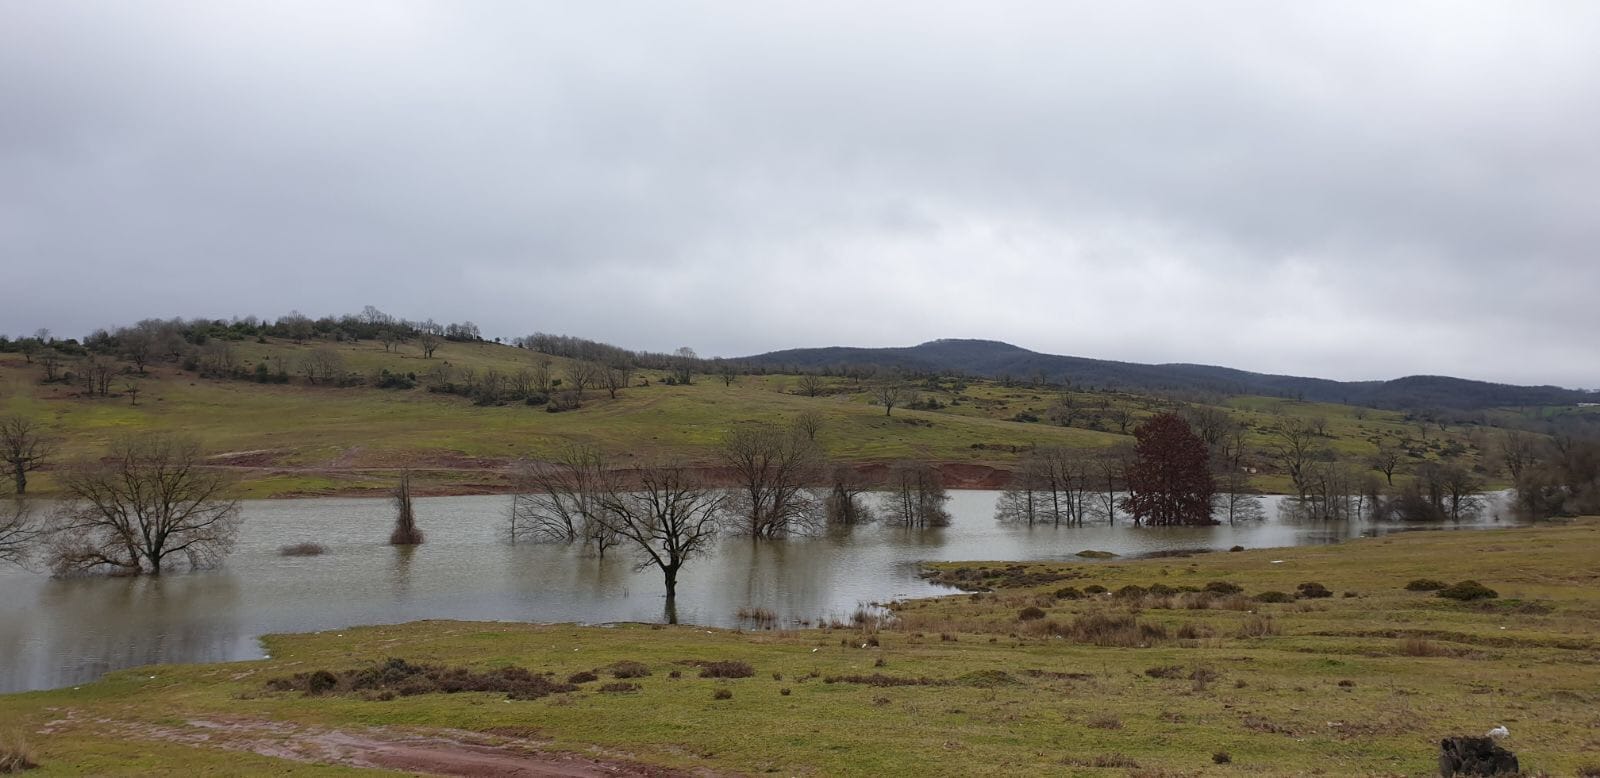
149 500
322 366
132 390
727 373
24 447
772 467
1209 423
683 364
916 497
846 503
809 423
615 377
1518 452
1122 417
1051 486
541 375
1064 410
1294 448
559 501
1387 460
50 359
97 372
405 531
18 530
138 345
389 337
1108 469
582 374
890 393
669 516
811 385
429 341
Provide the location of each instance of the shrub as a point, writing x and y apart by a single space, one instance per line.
1237 548
784 691
1417 646
1466 591
1106 721
1274 597
1120 630
1162 590
1030 613
1094 589
1165 671
397 677
1221 757
1069 593
15 754
582 676
1223 587
303 549
629 669
722 694
1425 585
727 669
1312 590
1132 591
1258 626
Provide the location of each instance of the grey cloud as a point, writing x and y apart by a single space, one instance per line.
1352 192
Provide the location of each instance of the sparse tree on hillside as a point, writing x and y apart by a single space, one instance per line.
24 448
916 497
50 359
726 372
1387 460
97 372
616 378
1169 482
683 365
429 341
322 366
138 345
890 393
541 375
149 501
582 374
811 385
809 423
772 467
1064 410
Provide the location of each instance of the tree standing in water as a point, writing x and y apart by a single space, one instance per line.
405 522
1169 481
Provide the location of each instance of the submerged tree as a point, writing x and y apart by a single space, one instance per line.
405 531
558 501
915 497
148 501
17 530
773 468
669 516
1169 481
846 504
24 447
1051 486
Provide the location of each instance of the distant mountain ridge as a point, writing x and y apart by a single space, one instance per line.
995 359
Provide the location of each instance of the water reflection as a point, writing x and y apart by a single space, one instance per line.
55 633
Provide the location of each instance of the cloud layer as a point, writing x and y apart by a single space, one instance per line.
1324 189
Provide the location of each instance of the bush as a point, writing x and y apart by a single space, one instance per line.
1094 589
629 669
1312 590
1162 590
722 694
1069 593
1425 585
1258 626
1274 597
1466 591
582 676
1221 757
1223 587
15 755
1106 721
1237 548
1132 591
727 669
1030 613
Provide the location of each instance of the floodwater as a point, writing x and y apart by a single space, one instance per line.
63 632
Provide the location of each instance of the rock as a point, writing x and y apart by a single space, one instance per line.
1475 756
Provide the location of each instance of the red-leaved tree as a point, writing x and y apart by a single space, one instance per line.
1169 481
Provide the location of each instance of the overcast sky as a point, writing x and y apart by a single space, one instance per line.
1342 190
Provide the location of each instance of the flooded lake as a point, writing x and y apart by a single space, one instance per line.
62 632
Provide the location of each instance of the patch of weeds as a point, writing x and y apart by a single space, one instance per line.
619 687
397 677
1425 585
1274 596
784 691
1192 631
1069 593
1102 761
15 754
1105 721
1419 646
1165 671
629 669
1258 626
1221 757
1094 589
1132 592
877 680
582 676
722 694
1223 587
1030 613
728 668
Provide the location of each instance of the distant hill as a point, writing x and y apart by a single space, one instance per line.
994 359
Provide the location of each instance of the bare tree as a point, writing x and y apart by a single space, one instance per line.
683 363
845 504
1122 417
916 497
582 374
559 501
389 337
97 373
1387 460
541 375
1109 469
405 521
773 466
138 345
669 517
726 372
24 447
322 366
1051 486
218 358
50 359
809 423
1294 448
1064 410
132 390
17 530
891 393
616 378
811 385
429 341
149 500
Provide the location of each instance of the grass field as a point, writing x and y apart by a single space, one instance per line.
1364 682
297 439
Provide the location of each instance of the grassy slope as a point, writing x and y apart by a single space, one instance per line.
321 440
1334 692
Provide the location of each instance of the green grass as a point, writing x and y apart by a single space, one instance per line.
304 439
1340 687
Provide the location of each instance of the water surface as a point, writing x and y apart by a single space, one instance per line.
63 632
